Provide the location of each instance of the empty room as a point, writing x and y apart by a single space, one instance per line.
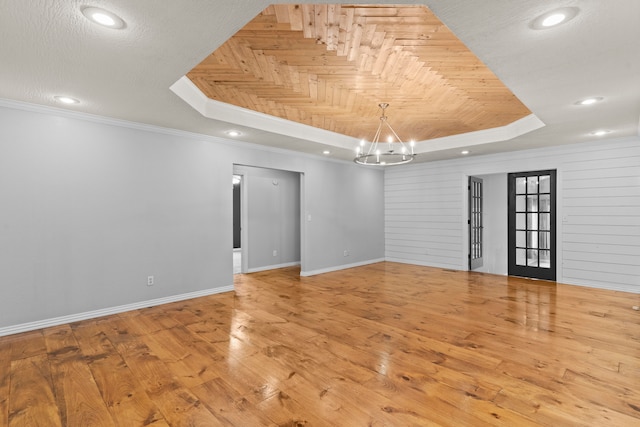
246 213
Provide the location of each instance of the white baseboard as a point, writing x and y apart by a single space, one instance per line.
273 267
426 264
340 267
46 323
561 280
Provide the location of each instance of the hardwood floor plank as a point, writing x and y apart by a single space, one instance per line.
612 396
77 395
229 405
32 400
5 376
27 344
125 398
178 405
384 344
190 365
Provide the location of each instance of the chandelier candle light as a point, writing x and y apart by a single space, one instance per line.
394 153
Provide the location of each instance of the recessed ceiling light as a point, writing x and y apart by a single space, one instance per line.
600 132
326 152
465 152
554 18
66 100
233 133
103 17
589 101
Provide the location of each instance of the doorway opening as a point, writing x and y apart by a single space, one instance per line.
268 211
237 224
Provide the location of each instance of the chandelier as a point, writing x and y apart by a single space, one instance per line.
392 152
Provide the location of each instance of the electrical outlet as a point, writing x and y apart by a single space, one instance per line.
149 280
346 253
275 253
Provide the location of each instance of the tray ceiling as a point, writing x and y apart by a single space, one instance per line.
330 65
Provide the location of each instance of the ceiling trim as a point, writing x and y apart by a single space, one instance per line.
212 109
93 118
504 133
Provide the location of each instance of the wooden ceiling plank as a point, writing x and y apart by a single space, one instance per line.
281 12
364 58
273 70
295 79
321 23
308 20
358 30
344 39
225 55
367 35
262 63
383 55
336 95
333 26
304 84
354 57
322 86
295 17
313 87
329 93
286 75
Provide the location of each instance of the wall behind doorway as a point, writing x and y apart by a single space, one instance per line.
272 217
495 232
236 212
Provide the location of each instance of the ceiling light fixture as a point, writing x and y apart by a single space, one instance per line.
589 101
394 153
103 17
464 152
326 152
66 100
233 133
600 132
554 18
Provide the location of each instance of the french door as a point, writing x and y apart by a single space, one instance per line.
475 223
532 224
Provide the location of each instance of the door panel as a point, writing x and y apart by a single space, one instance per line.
475 222
532 224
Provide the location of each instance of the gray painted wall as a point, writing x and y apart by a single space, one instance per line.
92 206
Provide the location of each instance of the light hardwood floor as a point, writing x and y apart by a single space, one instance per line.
381 345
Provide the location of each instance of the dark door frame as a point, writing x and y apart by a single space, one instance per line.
515 269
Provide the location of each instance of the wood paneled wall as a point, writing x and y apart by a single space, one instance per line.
598 205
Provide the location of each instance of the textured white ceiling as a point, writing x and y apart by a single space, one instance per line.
48 48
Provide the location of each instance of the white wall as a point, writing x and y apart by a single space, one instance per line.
598 200
92 206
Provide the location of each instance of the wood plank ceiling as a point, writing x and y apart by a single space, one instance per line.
330 65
